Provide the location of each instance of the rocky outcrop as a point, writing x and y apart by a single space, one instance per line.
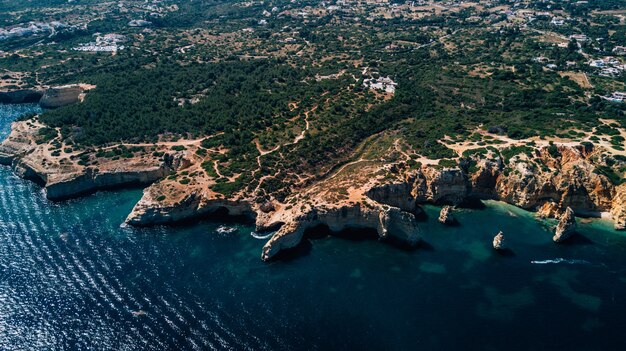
445 216
498 242
151 210
566 227
482 183
389 222
567 178
395 195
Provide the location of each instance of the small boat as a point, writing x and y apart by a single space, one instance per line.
138 313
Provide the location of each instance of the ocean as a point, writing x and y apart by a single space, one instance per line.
72 278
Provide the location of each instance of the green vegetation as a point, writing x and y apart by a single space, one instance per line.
607 171
295 85
513 151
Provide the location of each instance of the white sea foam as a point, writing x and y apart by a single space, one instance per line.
226 230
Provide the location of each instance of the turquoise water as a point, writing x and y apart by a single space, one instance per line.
71 279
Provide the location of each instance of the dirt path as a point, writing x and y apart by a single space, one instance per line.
459 148
295 141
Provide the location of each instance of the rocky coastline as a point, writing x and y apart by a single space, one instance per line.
387 201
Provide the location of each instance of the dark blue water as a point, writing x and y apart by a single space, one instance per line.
71 279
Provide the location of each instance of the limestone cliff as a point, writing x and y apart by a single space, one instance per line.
49 98
152 209
618 207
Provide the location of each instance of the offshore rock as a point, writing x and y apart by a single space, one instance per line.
566 227
498 242
446 217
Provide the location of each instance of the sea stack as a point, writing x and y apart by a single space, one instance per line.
446 217
566 227
498 242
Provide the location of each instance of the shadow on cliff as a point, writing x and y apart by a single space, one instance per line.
221 216
303 249
357 235
322 231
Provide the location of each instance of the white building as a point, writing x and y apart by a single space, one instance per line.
557 21
579 37
385 84
617 97
610 72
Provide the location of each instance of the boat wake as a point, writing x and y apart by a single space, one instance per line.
561 260
261 237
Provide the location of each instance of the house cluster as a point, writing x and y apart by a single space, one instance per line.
617 96
104 43
385 84
609 66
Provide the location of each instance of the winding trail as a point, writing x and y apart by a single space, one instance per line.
295 141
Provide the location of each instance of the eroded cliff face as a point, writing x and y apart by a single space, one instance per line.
547 180
567 178
448 185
